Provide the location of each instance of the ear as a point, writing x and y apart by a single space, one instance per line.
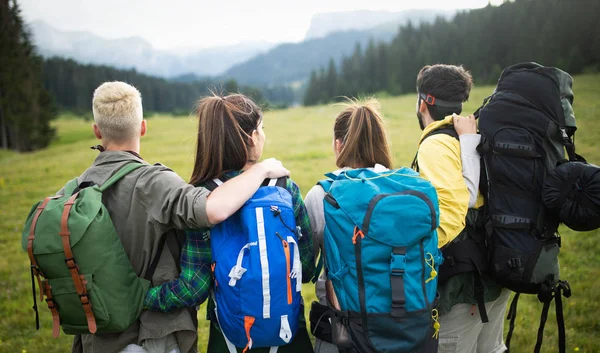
338 146
144 128
423 107
254 138
97 131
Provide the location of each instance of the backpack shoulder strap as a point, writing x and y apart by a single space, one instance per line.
70 187
281 182
175 244
446 130
128 168
326 183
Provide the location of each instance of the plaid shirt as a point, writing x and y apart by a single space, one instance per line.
192 286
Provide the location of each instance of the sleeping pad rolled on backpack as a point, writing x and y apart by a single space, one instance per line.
89 284
257 270
382 258
526 125
572 193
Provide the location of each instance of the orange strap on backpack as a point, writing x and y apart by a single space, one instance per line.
78 279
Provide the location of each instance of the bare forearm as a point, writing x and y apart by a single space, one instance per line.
229 197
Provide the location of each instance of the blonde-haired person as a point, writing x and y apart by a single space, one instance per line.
230 142
147 204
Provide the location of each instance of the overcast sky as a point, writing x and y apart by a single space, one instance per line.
192 24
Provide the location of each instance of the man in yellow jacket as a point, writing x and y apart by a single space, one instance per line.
448 158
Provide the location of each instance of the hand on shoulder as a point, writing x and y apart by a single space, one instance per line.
273 168
464 124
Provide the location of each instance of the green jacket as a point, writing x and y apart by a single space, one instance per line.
147 203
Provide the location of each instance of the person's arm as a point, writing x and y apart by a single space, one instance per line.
471 165
440 163
192 286
229 197
316 214
466 128
305 243
174 203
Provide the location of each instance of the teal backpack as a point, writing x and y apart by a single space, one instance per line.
89 284
382 257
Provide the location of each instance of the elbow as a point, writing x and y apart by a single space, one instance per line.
215 214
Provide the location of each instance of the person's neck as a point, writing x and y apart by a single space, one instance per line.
131 146
427 120
249 164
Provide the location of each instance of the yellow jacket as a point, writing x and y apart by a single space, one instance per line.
440 162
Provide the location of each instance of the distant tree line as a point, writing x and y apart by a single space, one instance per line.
561 33
26 108
72 84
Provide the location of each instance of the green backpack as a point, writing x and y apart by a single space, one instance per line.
89 284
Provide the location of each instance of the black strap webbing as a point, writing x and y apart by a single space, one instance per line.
445 130
479 296
175 243
397 268
431 100
512 315
511 222
565 288
543 318
561 288
361 282
513 149
35 308
154 263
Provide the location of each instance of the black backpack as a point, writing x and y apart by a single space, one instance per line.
526 125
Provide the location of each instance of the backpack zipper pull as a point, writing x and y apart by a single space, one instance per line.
436 323
430 261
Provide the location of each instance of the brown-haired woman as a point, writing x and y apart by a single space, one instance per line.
359 141
230 140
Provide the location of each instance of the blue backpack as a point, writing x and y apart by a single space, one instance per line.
257 270
382 257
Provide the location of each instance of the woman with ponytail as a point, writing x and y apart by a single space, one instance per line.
359 141
230 140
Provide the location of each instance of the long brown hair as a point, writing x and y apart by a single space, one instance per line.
361 130
225 128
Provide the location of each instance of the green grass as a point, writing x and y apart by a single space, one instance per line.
301 138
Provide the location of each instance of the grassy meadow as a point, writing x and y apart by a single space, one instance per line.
301 138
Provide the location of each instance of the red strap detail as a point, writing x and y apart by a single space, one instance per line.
248 322
357 232
78 279
52 307
36 271
286 250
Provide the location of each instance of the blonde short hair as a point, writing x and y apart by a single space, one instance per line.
117 109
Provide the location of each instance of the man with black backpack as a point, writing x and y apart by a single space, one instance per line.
146 204
471 305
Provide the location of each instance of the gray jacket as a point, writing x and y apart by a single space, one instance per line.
144 205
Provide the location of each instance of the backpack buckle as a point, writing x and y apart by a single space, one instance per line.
397 264
51 304
515 262
71 264
84 299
